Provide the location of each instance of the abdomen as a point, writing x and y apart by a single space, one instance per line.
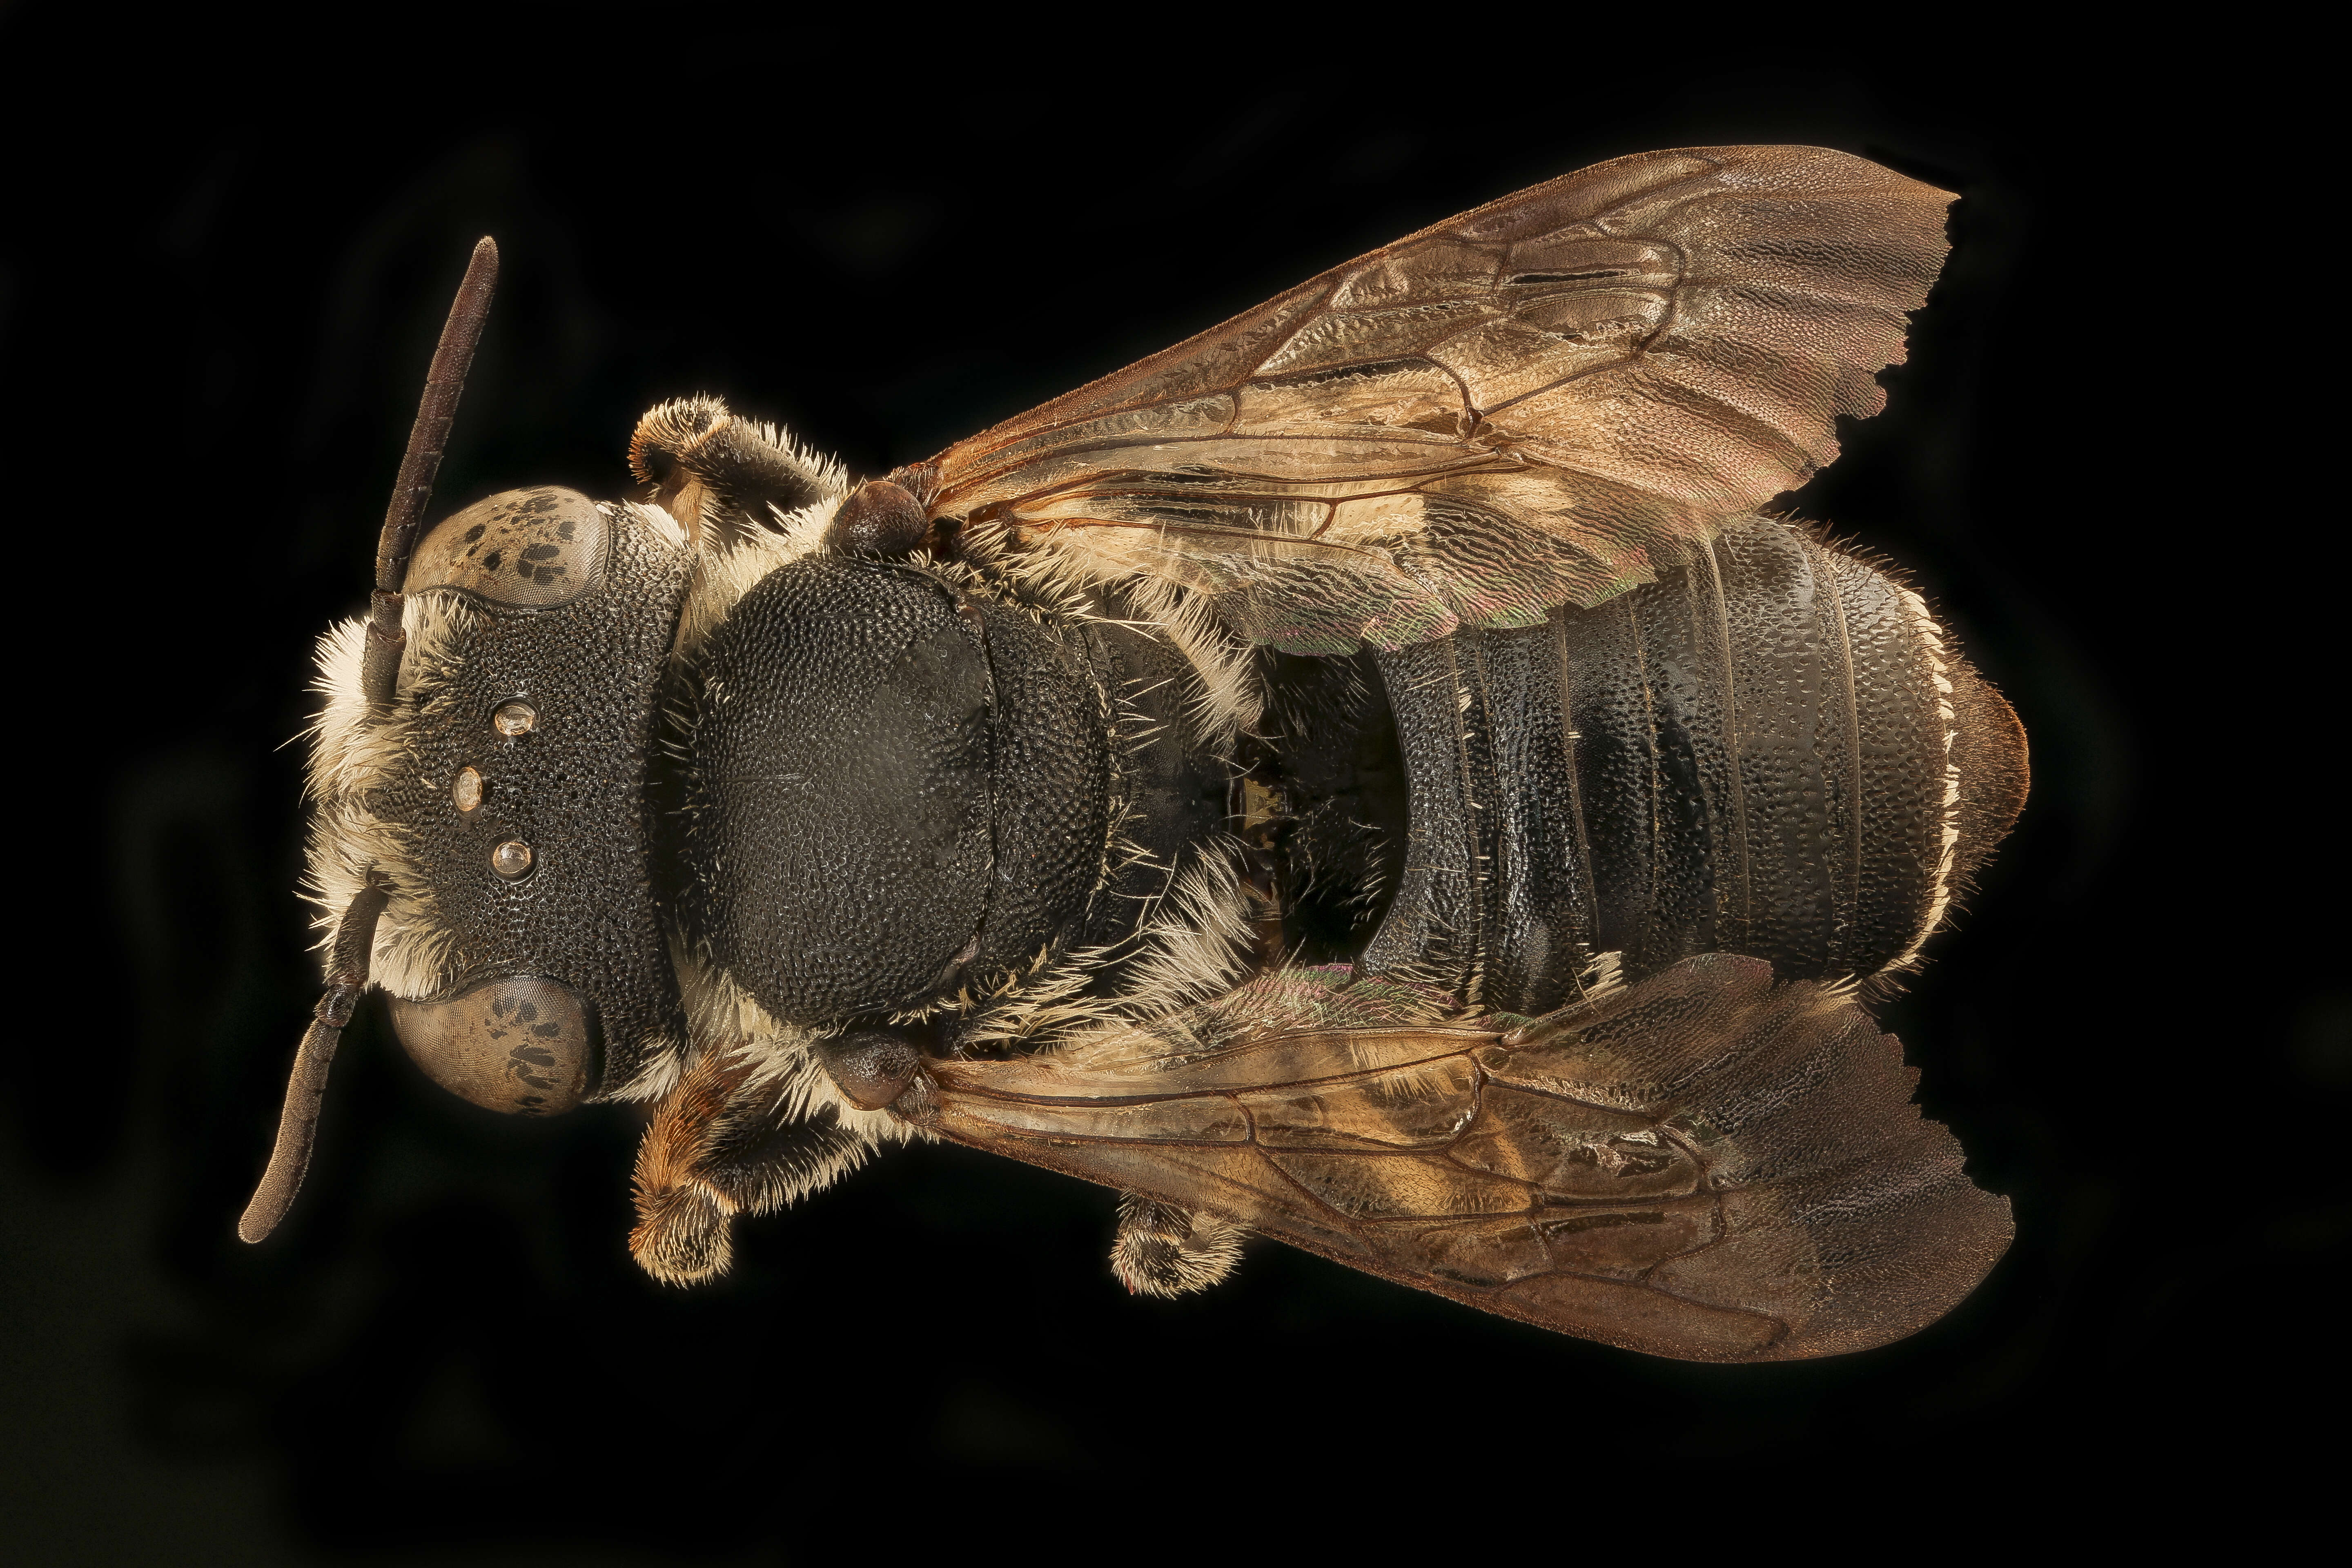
1775 751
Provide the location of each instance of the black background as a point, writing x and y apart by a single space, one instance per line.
227 252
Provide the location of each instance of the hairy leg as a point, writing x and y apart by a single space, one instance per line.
721 1144
1163 1250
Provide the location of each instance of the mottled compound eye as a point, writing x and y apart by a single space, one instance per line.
511 859
533 548
519 1044
515 718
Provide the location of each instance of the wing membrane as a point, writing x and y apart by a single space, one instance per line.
1545 401
1706 1165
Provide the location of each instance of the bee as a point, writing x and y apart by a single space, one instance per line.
1370 776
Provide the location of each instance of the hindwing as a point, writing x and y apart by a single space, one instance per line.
1706 1165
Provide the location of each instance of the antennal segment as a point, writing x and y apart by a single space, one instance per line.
306 1089
413 491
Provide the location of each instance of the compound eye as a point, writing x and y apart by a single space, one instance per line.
531 548
521 1044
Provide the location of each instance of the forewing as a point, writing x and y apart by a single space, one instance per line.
1706 1165
1545 401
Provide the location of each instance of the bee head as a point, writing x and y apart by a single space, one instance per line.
480 842
498 797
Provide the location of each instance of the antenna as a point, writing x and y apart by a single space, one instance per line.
413 491
306 1088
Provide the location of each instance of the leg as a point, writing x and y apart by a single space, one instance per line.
720 1145
1163 1250
720 475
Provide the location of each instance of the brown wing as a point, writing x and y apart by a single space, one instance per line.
1706 1165
1545 401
